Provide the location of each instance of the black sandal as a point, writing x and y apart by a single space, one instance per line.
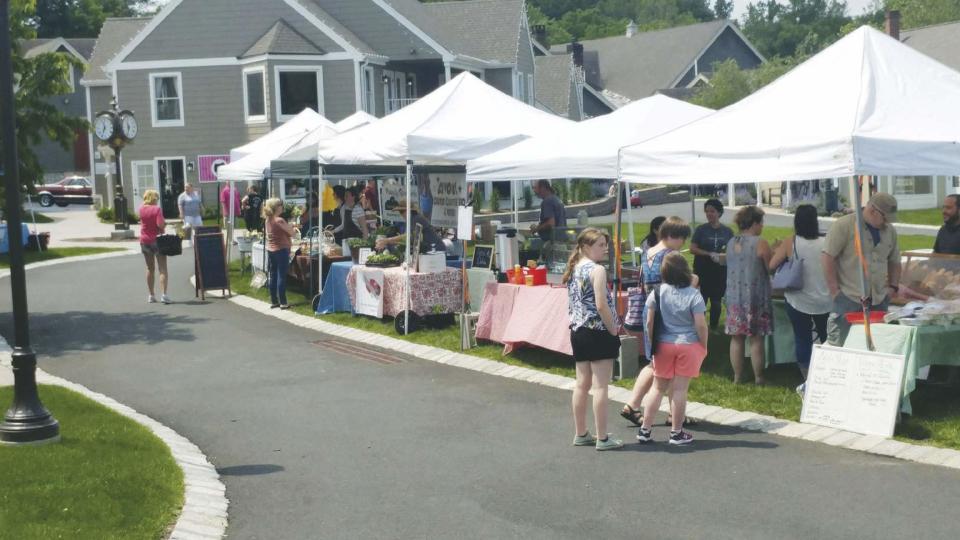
635 416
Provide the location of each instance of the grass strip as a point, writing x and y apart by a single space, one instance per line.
108 477
56 253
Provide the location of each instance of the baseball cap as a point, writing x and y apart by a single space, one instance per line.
887 204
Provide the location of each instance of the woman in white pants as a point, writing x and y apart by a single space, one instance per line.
191 209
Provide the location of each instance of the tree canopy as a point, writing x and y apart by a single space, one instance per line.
79 18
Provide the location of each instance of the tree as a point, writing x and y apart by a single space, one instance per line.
723 9
916 13
80 18
38 78
779 29
729 84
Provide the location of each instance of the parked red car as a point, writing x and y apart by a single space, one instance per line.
70 190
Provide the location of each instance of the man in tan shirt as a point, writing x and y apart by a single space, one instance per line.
842 265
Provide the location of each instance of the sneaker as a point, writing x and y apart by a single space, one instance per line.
151 299
680 437
644 435
584 440
165 299
609 443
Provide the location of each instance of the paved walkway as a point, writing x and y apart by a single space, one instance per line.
318 439
76 226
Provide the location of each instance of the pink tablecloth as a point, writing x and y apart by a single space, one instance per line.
516 315
442 289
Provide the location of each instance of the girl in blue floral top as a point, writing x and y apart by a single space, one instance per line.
594 335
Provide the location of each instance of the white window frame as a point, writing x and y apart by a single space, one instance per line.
369 95
70 80
531 93
247 117
277 70
153 99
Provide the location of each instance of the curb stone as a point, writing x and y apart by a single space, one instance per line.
204 512
746 420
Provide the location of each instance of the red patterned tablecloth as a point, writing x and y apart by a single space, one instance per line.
442 289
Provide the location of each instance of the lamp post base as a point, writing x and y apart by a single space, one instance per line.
27 421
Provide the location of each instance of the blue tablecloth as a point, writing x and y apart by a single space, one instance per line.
5 238
335 298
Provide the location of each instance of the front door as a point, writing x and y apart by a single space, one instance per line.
171 175
144 178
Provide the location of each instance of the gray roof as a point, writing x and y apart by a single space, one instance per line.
484 29
282 39
314 8
638 66
114 35
554 81
940 42
84 46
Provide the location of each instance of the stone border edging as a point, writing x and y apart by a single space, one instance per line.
204 512
63 260
873 444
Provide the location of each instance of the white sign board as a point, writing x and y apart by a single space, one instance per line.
448 191
853 390
369 292
392 191
364 254
465 223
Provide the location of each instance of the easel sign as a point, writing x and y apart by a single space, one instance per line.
853 390
210 264
483 257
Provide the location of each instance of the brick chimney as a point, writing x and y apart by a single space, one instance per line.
540 33
892 24
577 49
632 29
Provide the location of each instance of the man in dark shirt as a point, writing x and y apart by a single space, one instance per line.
552 212
948 238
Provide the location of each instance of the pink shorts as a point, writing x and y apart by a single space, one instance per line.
684 360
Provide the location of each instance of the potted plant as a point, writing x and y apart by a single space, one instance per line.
355 245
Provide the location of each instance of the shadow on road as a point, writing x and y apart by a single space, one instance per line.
59 334
701 445
250 470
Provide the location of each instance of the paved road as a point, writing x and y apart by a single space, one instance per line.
314 443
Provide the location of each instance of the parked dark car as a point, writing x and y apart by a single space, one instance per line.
70 190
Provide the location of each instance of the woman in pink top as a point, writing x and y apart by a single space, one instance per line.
278 251
151 225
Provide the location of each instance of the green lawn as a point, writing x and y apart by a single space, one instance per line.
28 217
937 410
108 477
55 253
930 216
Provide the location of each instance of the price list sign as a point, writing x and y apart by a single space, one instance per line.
853 390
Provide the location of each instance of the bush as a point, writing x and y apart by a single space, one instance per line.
561 189
106 215
210 212
477 199
495 201
527 198
584 190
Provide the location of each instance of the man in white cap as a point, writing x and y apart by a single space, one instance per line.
842 264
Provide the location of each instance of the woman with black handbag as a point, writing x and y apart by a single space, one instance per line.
151 225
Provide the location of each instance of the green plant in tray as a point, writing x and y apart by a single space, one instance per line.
383 259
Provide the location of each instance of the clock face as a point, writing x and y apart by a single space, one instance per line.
129 126
103 127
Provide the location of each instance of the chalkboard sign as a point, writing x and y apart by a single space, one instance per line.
211 263
482 256
206 229
853 390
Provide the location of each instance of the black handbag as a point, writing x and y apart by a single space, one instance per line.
657 322
169 244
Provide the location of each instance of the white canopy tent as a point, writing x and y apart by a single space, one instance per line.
588 149
255 166
355 120
288 133
867 105
463 119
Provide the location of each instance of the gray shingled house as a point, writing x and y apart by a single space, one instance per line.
205 76
56 161
672 61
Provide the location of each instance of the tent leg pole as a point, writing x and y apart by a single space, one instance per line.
693 206
631 235
321 186
406 312
858 243
617 235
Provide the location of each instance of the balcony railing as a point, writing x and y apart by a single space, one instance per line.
394 105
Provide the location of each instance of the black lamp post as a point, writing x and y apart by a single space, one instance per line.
27 421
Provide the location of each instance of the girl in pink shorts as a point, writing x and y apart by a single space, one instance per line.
675 318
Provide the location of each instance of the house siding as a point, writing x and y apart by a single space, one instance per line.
54 159
501 79
525 62
222 29
727 46
378 29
